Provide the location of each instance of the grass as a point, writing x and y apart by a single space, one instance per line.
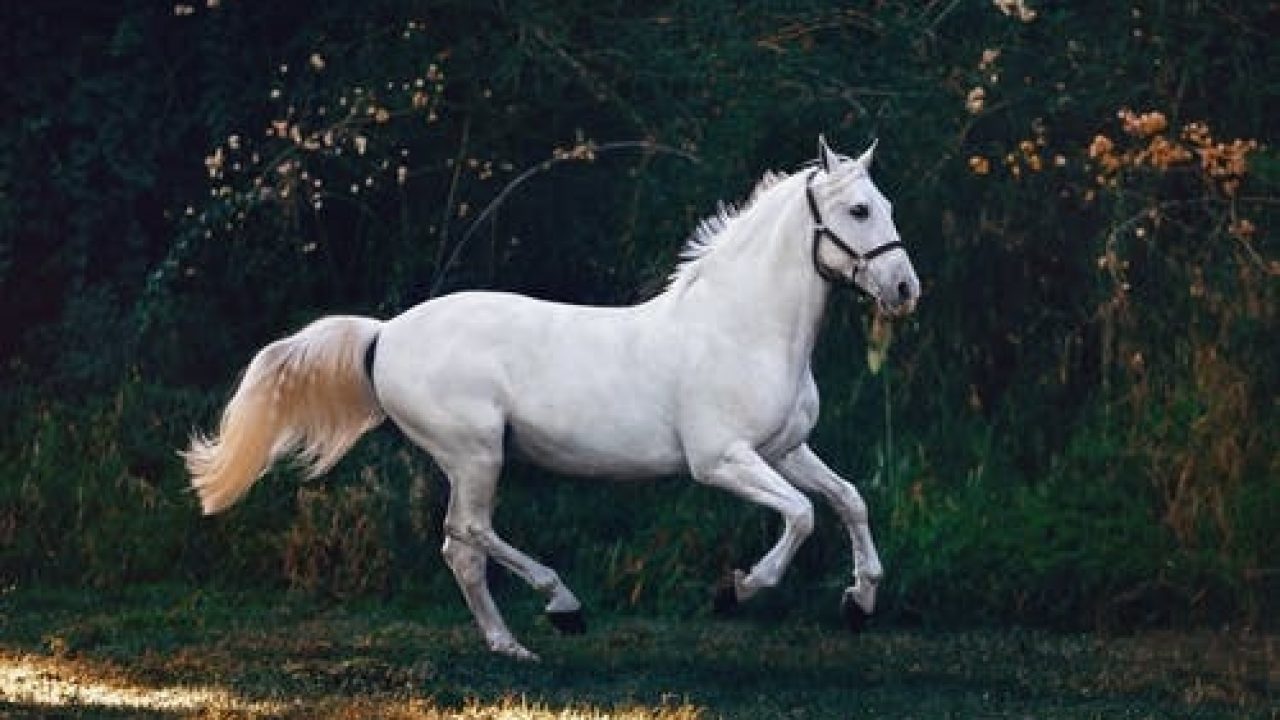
173 651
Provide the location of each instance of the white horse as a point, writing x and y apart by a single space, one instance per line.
711 378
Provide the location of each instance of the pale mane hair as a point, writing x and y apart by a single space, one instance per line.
704 239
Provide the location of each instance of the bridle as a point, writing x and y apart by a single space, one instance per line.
820 231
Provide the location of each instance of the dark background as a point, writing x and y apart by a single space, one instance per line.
1076 429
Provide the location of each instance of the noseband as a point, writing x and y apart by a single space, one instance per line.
820 231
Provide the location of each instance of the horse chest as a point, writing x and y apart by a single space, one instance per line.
763 401
794 428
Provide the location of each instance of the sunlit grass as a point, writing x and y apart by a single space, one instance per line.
56 683
59 683
171 651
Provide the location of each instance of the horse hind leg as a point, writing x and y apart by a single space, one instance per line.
468 566
469 529
471 492
563 608
471 522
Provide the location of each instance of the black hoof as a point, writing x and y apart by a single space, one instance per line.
726 597
854 616
568 623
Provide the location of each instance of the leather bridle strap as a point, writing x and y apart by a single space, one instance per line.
821 231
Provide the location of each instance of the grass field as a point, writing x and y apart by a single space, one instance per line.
180 652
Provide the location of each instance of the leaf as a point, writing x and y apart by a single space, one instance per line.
879 338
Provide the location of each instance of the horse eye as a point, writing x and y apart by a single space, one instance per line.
860 211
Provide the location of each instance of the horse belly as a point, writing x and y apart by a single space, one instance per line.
580 433
590 394
574 386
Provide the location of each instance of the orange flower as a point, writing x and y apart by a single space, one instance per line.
1242 228
1100 146
1144 125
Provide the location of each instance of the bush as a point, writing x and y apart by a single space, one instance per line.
1074 429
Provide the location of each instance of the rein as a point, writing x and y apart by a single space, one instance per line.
820 231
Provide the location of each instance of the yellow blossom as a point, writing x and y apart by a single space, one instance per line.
975 100
1015 8
1242 228
213 163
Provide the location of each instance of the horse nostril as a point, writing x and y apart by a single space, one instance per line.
904 291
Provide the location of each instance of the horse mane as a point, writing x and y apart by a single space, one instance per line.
708 234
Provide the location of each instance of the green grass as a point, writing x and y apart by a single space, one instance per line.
174 651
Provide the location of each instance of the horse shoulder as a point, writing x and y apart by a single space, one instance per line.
756 401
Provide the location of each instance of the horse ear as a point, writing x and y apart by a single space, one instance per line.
865 158
826 156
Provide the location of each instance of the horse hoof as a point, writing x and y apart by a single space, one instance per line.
515 651
855 617
726 597
568 623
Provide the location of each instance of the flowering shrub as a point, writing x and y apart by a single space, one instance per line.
1091 370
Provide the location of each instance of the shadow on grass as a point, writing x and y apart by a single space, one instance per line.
165 652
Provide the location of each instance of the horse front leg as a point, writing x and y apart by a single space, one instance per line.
742 471
807 471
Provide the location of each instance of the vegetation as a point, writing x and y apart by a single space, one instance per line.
172 652
1076 430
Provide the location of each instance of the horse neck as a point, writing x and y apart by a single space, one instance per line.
764 278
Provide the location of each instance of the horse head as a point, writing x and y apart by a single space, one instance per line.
854 237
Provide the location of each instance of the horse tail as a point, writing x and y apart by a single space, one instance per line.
307 395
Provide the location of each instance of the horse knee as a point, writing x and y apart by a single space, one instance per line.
801 519
467 563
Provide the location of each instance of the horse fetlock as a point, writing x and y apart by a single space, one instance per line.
762 576
863 593
505 644
563 601
855 614
866 565
735 588
547 582
871 570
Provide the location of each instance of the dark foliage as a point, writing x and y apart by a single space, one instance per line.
1077 427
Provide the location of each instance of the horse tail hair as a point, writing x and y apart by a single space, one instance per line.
308 395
